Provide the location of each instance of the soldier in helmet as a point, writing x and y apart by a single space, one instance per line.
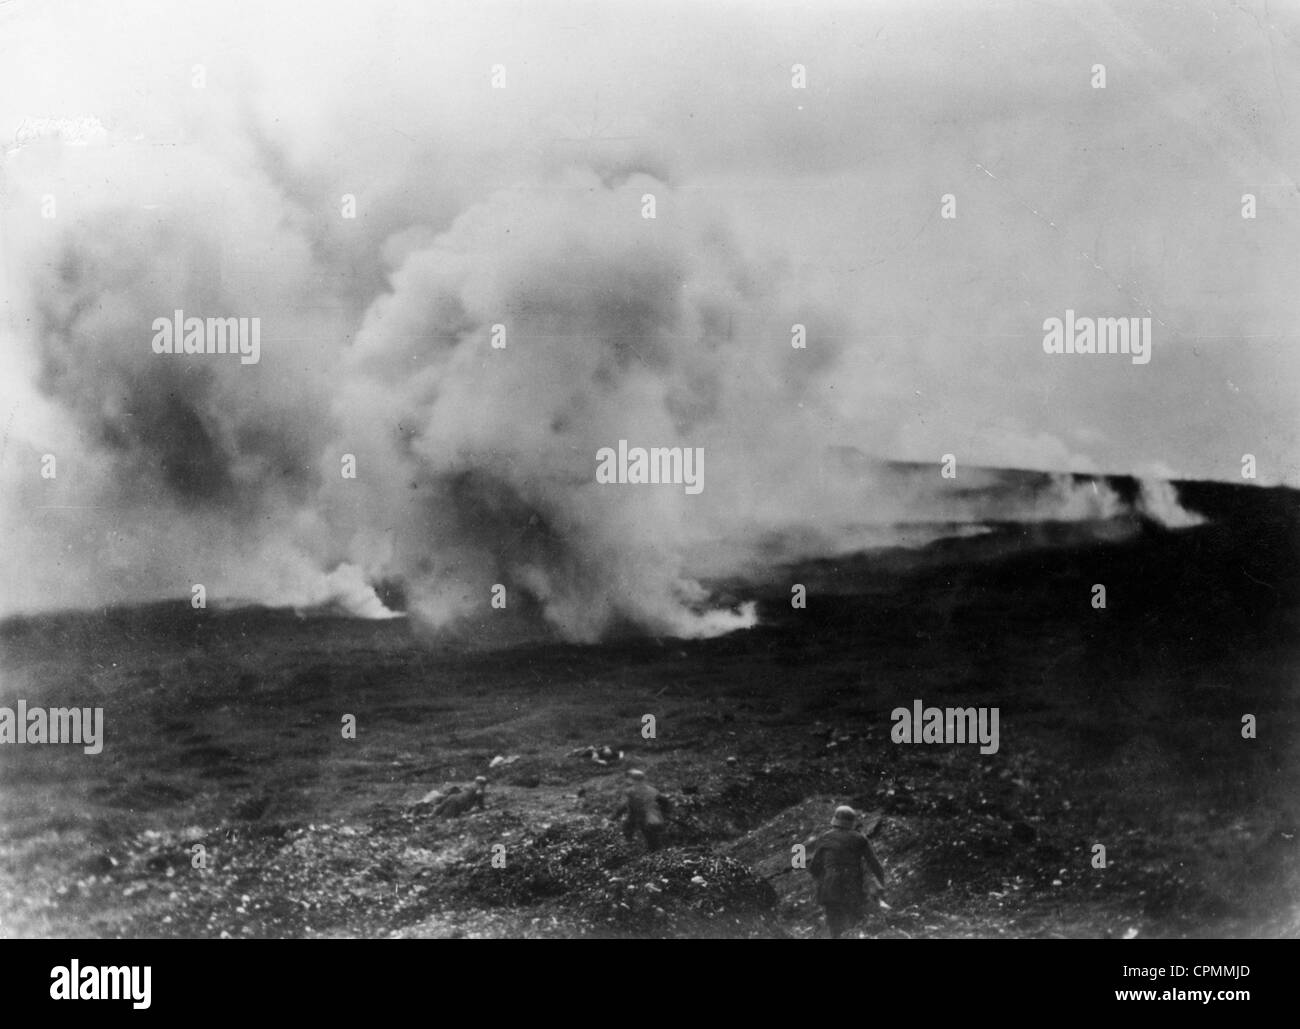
646 810
840 862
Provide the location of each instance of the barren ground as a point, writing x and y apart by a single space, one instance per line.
1119 727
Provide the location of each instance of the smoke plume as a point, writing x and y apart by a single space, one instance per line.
493 315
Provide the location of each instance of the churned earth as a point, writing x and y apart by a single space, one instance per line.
1119 727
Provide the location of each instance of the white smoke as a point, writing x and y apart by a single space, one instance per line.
474 465
1158 500
614 328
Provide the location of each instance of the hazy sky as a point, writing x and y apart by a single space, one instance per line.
776 205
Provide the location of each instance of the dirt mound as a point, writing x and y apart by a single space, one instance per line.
675 893
618 890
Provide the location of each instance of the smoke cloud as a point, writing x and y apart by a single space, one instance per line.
474 463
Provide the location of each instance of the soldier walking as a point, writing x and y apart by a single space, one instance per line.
841 860
646 809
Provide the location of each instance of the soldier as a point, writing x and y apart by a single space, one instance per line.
456 804
646 809
840 861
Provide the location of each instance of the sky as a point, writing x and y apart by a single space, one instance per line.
198 158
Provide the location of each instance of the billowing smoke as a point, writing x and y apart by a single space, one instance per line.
607 326
469 397
1158 500
436 374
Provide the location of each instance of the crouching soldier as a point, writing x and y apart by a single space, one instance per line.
646 811
456 804
841 860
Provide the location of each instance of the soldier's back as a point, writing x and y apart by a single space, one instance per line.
643 804
839 861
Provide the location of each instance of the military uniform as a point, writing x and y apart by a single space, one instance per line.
841 858
646 809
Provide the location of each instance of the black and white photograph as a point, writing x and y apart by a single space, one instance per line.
595 469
